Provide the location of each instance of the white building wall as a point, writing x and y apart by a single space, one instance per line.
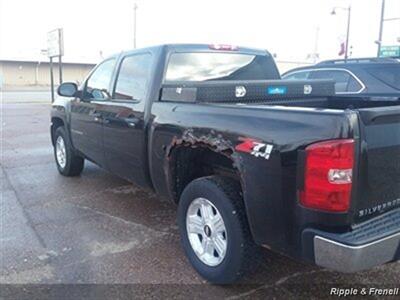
20 73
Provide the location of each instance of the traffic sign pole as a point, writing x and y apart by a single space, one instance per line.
51 79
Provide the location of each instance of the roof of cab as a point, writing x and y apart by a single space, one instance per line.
198 48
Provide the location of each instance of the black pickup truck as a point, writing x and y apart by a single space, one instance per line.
251 160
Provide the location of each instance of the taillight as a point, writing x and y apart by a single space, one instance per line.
328 175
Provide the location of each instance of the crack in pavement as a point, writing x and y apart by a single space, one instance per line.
276 283
115 218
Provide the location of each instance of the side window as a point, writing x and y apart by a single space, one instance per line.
97 86
133 77
344 81
301 75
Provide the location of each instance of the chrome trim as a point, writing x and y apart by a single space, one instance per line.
347 259
363 87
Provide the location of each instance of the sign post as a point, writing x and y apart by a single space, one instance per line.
55 48
51 79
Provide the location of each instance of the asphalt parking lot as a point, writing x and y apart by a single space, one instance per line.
99 229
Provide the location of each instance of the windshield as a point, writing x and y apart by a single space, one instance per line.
205 66
390 75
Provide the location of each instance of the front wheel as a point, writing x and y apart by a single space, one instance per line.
214 229
68 163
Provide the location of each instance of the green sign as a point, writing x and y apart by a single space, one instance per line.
389 51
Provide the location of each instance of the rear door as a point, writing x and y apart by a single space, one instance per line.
379 173
86 118
123 119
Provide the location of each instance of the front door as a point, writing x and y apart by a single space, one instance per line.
86 118
124 120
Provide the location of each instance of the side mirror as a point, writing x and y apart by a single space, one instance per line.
67 89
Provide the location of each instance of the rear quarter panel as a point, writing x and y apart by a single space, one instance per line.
269 185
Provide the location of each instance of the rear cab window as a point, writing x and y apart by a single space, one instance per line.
133 77
209 66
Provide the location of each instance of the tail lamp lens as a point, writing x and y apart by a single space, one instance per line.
328 175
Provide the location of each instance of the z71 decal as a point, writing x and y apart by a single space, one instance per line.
255 148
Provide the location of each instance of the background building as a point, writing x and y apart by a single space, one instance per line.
31 73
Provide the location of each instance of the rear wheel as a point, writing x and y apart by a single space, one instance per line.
214 229
68 163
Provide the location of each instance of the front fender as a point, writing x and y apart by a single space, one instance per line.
60 116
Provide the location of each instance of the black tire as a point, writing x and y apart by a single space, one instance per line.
74 163
241 253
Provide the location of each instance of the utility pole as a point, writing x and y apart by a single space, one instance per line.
381 23
379 41
135 7
346 55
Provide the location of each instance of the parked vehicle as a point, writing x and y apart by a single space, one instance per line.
364 76
251 160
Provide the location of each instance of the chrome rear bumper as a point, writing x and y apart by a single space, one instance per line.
344 258
368 244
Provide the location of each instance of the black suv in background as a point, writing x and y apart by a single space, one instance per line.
366 76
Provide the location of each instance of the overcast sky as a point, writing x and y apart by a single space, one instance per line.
285 27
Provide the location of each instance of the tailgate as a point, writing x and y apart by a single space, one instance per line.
379 176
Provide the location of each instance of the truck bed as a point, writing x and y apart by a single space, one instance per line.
377 186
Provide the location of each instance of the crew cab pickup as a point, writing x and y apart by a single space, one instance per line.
251 160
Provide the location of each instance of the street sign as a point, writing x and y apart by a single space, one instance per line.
55 43
389 51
